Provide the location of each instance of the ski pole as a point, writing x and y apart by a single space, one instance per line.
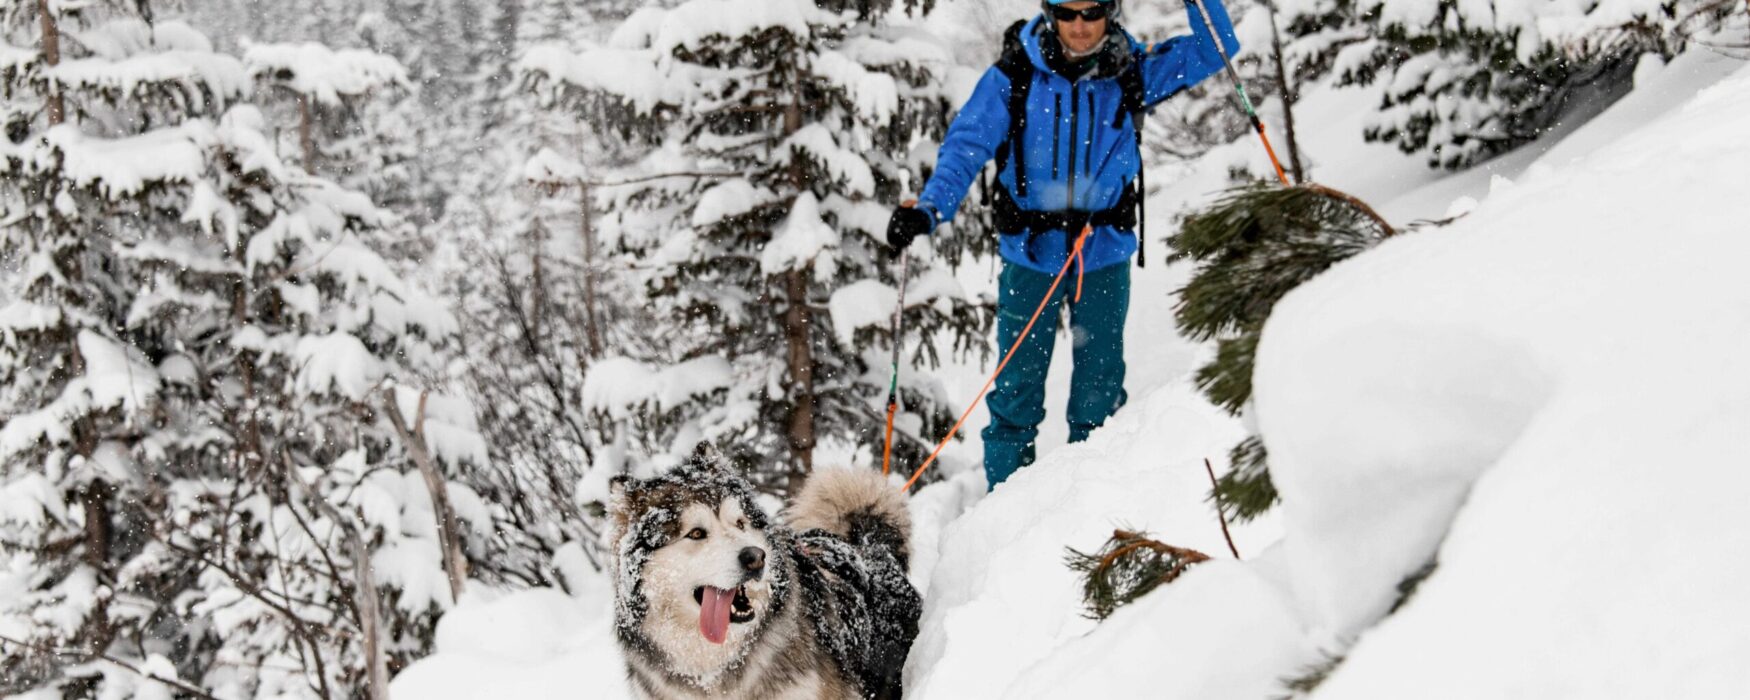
1246 100
893 384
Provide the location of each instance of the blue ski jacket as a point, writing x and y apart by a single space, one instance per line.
1081 152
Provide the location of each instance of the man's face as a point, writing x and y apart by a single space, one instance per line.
1080 36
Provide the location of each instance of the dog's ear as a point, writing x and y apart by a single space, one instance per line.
706 453
619 496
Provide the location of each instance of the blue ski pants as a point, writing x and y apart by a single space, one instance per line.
1096 389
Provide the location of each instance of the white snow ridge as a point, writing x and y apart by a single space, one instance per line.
1547 398
1564 434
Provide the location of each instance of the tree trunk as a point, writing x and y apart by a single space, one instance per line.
365 598
306 133
537 286
370 608
94 497
589 291
449 533
99 528
99 531
796 332
251 445
1289 96
57 107
796 324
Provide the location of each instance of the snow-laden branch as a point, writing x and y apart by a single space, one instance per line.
323 74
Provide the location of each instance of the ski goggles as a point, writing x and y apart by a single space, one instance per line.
1087 14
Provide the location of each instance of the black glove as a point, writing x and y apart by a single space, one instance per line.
907 223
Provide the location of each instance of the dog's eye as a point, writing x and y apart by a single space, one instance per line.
741 524
696 534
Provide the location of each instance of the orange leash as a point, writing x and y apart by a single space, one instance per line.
1081 267
1075 258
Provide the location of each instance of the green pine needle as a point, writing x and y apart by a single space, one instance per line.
1257 243
1126 568
1246 491
1253 246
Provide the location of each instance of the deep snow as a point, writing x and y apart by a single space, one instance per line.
1548 394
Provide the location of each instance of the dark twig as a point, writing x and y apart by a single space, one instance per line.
179 685
1220 513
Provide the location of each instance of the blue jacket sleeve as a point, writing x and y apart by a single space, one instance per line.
972 140
1184 61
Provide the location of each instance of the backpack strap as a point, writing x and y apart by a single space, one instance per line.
1131 87
1018 68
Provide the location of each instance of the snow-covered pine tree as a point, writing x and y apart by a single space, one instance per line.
537 305
457 55
542 303
780 130
334 112
314 543
198 472
102 142
1466 81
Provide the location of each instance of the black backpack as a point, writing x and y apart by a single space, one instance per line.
1018 67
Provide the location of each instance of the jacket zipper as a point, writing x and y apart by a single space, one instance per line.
1075 114
1056 134
1088 154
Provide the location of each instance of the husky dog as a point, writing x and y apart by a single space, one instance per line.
714 599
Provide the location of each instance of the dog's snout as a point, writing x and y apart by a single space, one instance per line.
753 559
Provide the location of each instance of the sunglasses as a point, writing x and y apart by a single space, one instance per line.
1089 14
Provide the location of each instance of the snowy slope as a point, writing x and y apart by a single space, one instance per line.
1585 401
1501 391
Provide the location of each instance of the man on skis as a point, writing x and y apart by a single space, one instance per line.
1060 113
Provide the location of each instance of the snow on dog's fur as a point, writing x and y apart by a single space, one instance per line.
716 600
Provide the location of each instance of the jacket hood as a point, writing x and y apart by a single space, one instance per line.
1036 30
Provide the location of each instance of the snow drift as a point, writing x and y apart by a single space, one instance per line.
1547 397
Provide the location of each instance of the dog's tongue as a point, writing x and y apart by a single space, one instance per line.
714 614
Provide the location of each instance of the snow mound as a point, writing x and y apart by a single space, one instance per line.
1565 432
538 644
1562 435
1000 599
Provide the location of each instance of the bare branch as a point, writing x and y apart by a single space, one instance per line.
90 656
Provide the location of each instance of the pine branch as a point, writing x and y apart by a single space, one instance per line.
1254 246
99 656
1126 568
1246 489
